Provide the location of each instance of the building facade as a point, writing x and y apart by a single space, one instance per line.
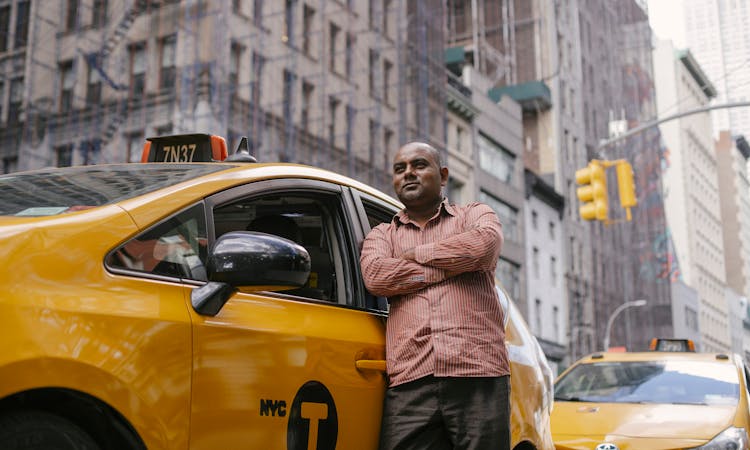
691 188
326 83
545 256
718 36
734 196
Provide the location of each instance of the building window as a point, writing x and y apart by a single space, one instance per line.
71 15
507 214
67 82
372 77
308 15
258 13
307 95
348 55
495 160
168 60
287 95
237 6
534 219
93 86
553 269
235 56
99 11
374 128
2 98
333 106
371 13
255 84
691 318
538 316
386 22
64 155
4 27
556 323
22 24
15 99
458 17
164 130
134 145
460 138
137 69
509 275
10 164
333 36
535 262
349 125
288 36
552 230
90 151
387 74
387 143
455 190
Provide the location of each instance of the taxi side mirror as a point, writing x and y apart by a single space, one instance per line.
249 261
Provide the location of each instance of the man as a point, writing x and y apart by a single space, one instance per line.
449 383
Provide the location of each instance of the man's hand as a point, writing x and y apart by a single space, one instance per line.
409 255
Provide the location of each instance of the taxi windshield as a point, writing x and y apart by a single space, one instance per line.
672 382
54 191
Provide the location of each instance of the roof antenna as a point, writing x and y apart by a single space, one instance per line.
242 154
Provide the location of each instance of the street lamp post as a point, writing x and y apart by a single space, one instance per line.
632 303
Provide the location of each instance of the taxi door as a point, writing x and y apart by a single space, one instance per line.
301 369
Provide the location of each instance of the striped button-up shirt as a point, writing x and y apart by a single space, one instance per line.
445 318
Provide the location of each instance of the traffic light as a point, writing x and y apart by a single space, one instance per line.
593 193
625 184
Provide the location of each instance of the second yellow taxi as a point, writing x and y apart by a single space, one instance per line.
652 400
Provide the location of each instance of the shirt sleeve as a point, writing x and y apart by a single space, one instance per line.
476 248
388 276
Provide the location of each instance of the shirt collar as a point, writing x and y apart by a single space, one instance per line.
402 218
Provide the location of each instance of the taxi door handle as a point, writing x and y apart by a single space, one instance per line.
370 364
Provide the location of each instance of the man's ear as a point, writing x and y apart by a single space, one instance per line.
443 176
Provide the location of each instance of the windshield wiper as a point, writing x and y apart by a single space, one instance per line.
568 399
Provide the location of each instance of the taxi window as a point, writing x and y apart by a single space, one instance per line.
676 382
311 220
60 190
174 248
375 216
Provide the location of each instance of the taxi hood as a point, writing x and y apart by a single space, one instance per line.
654 421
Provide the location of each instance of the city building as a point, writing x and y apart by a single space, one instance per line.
338 85
545 255
691 189
717 36
734 195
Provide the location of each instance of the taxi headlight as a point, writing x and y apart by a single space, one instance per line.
730 439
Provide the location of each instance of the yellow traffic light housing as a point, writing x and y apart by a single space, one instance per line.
626 185
593 192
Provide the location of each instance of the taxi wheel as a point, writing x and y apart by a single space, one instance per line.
37 430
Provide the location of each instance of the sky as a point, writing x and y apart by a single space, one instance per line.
667 18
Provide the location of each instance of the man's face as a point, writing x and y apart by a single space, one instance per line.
417 177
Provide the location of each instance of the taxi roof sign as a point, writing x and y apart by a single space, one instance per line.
184 148
671 345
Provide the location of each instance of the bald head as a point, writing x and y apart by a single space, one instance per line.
424 146
418 178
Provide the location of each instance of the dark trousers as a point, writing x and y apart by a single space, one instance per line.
435 413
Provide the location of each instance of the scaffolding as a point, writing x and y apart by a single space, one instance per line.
335 84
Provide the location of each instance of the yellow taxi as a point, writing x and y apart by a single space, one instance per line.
180 304
669 398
